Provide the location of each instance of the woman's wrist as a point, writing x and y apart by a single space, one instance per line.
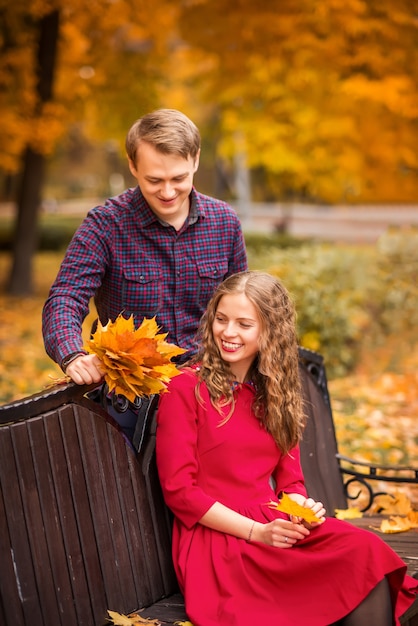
250 533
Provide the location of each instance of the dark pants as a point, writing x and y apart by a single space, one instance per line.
133 418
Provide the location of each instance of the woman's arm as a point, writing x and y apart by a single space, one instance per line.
280 533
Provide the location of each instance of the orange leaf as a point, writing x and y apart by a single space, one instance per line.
289 506
395 524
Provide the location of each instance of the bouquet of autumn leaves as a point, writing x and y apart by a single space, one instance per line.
135 362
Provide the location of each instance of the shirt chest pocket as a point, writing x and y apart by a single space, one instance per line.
142 286
210 272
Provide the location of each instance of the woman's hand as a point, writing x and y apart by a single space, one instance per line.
280 533
309 503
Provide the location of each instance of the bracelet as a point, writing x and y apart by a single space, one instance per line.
251 532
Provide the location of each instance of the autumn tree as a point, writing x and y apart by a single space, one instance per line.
64 62
323 94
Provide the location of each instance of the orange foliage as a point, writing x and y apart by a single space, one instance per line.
310 88
135 362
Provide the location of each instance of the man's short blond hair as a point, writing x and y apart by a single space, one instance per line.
168 130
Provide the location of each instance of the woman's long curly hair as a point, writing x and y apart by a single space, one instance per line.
275 371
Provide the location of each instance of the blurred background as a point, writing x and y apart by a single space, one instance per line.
309 119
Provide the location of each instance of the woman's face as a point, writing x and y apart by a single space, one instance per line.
236 330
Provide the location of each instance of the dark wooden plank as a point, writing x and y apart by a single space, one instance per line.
53 517
319 447
87 574
169 610
126 470
161 518
97 499
10 602
67 556
122 569
149 547
24 574
34 523
405 544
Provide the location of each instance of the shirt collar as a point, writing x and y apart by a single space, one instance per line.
147 216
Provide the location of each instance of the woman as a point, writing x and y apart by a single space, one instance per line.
227 445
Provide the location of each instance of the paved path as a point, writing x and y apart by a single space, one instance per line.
347 223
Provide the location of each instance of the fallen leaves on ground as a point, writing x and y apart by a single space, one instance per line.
396 503
352 513
133 619
289 506
136 362
399 523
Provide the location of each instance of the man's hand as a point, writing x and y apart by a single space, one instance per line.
85 369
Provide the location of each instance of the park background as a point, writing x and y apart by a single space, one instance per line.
304 108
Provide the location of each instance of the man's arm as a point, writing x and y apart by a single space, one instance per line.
78 279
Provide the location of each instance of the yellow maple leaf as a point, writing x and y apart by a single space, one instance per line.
183 623
136 362
133 619
395 524
289 506
352 513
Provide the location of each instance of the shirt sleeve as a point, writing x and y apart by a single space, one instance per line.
79 277
288 476
176 448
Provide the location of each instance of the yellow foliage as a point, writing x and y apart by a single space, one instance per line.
135 362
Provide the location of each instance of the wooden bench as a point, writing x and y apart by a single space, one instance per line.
83 525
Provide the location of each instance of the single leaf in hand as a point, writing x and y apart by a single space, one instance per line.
289 506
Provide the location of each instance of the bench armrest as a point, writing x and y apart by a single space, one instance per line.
360 473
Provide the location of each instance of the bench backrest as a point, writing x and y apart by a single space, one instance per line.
83 525
79 532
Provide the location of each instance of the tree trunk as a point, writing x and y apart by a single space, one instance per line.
33 171
25 240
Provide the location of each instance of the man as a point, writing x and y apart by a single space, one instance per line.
158 249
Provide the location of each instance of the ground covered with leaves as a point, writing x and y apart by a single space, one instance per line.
375 407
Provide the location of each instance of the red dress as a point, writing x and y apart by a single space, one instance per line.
227 581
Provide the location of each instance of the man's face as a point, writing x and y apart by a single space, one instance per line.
166 181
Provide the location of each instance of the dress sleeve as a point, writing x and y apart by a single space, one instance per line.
288 475
176 449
